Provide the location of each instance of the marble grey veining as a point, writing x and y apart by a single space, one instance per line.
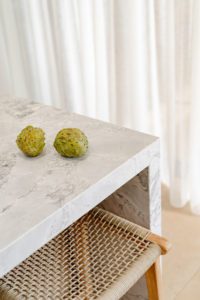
41 196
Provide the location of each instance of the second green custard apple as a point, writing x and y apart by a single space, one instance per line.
71 142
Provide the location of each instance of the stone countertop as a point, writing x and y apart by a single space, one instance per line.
41 196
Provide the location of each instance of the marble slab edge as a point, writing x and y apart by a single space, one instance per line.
43 232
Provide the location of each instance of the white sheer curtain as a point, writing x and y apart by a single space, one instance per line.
131 62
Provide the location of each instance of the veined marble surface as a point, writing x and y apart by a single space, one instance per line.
41 196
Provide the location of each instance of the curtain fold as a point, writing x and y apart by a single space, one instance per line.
133 62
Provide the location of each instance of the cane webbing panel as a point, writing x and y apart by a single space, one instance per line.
98 257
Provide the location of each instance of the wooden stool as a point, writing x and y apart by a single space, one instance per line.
101 256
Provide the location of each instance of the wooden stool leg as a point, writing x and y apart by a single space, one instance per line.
153 278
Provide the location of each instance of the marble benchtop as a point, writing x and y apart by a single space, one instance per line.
41 196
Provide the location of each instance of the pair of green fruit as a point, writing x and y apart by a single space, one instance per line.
69 142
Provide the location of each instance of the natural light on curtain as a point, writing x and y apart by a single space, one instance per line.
132 62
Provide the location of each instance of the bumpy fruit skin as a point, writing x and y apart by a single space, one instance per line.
31 141
71 142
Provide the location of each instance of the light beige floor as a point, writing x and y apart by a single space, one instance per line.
181 267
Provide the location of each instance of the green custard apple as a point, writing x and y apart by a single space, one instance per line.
31 141
71 142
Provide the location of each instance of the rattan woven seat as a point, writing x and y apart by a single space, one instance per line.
98 257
